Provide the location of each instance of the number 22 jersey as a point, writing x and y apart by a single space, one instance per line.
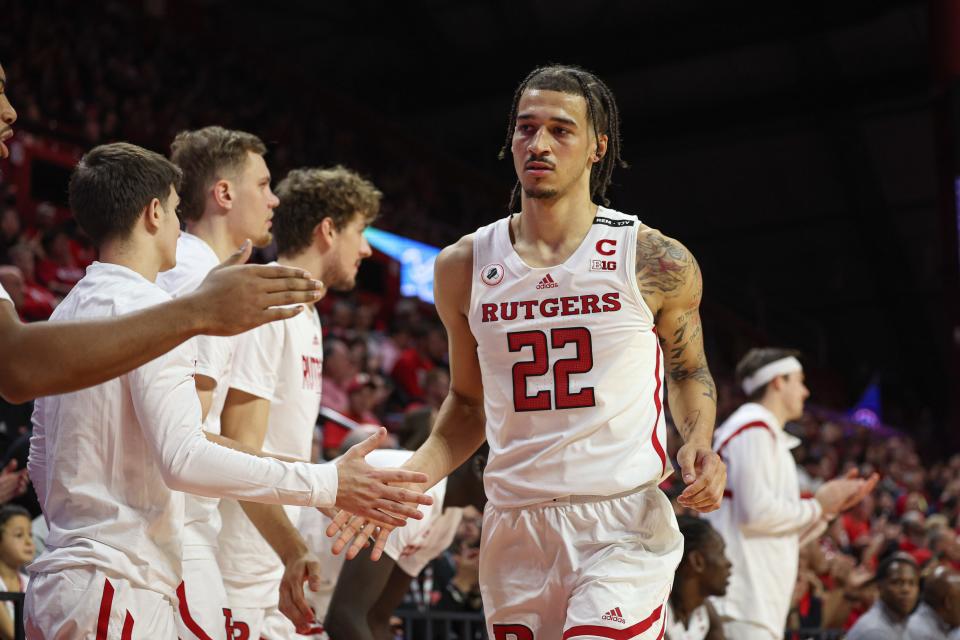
571 365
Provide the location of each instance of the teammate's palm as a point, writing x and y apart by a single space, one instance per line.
366 491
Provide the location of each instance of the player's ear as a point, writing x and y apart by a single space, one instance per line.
696 560
152 214
600 149
325 232
223 193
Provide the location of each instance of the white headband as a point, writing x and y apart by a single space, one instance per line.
768 372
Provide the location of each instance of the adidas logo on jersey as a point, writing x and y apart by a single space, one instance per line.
614 615
547 282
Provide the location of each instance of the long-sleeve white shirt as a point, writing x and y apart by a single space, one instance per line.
762 518
109 462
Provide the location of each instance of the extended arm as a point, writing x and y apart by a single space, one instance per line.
460 425
58 357
669 279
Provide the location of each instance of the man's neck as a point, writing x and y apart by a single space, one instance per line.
212 229
309 260
775 407
555 221
143 260
686 600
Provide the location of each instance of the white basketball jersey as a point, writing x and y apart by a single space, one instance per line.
571 365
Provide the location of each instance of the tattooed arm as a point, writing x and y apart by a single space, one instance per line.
670 281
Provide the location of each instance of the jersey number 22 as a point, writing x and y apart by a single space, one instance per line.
582 362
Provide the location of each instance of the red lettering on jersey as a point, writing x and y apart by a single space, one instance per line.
611 301
312 373
588 303
549 311
489 313
528 306
567 303
606 252
508 310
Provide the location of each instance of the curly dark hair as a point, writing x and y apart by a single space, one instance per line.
309 195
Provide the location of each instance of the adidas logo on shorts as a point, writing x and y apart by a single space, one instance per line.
614 615
547 282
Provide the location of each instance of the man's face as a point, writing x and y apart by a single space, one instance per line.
716 572
900 589
553 143
169 231
794 393
7 116
349 248
254 202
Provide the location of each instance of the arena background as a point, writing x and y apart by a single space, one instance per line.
804 152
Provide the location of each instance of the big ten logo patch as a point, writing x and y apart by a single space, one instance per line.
312 373
603 265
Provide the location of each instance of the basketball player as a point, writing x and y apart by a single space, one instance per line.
763 519
704 571
559 346
44 358
368 592
274 397
109 462
226 196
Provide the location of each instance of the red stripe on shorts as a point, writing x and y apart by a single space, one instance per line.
106 604
188 620
615 634
127 633
656 400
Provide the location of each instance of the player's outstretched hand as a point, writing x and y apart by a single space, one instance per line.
368 492
302 568
236 297
705 475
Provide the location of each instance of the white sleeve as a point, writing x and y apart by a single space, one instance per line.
751 471
4 295
167 406
213 356
256 360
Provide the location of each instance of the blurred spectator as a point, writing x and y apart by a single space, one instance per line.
38 302
361 399
338 370
938 616
429 349
9 231
16 551
898 579
59 270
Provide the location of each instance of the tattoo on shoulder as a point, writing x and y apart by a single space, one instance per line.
664 265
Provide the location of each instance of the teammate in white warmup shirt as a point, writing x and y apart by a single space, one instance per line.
42 358
225 197
563 320
274 397
108 462
763 519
